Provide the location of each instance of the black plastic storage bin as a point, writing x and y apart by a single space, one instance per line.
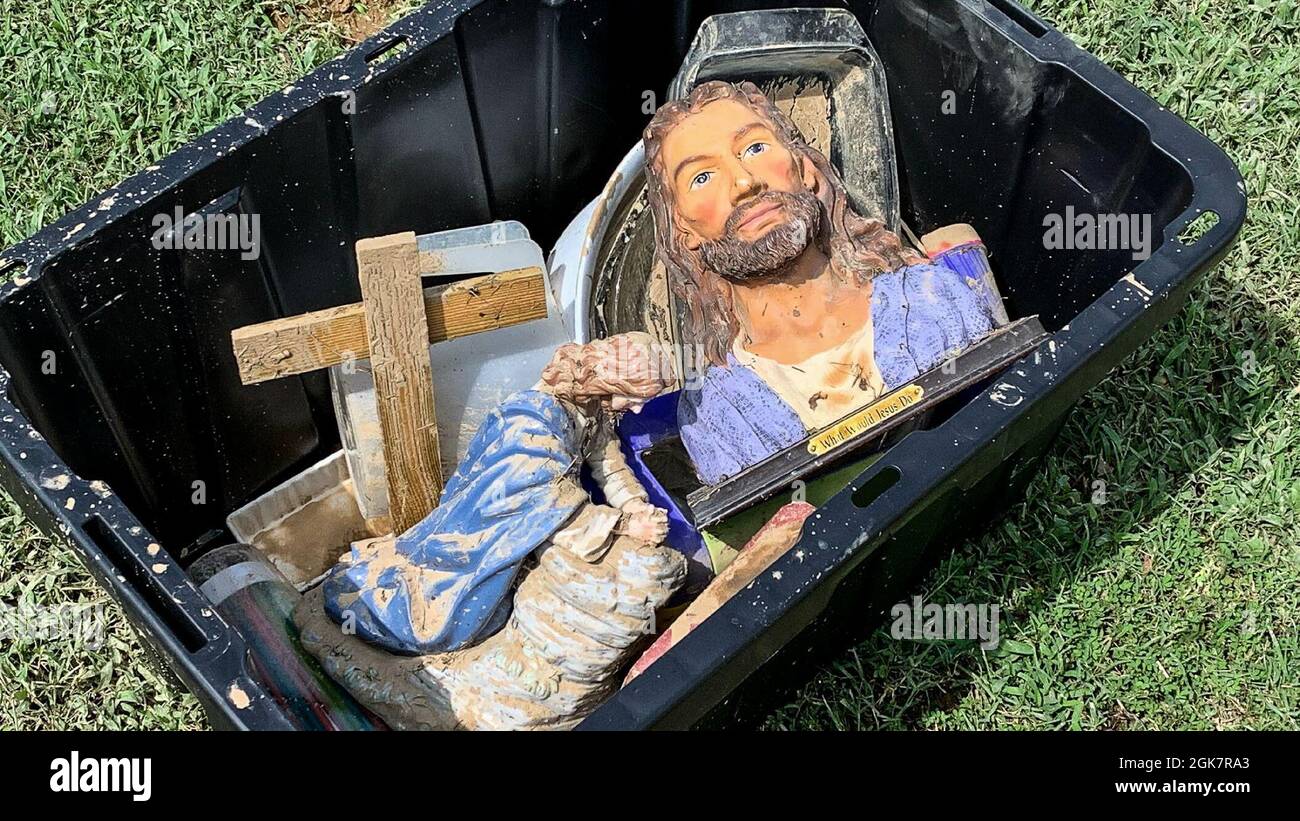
116 356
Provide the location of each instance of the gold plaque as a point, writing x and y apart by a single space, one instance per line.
863 420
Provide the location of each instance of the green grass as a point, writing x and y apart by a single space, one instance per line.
95 90
1175 604
1172 605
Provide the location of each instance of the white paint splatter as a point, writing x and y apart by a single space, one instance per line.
58 482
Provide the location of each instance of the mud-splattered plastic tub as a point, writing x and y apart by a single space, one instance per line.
120 394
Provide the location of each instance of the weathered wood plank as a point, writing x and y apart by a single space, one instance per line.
307 342
397 332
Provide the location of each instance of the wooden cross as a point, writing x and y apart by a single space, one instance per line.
393 326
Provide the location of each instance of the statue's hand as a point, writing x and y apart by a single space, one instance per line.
645 522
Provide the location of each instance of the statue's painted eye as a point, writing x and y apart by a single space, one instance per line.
701 178
756 149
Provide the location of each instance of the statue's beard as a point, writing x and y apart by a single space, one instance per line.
740 260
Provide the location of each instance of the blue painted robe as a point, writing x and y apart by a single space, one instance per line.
920 315
445 584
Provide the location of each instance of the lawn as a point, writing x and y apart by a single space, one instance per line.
1171 602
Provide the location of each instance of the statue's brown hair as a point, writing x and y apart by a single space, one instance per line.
858 246
629 364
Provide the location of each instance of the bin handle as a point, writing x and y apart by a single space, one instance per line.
1021 16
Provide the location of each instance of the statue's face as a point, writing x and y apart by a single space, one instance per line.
741 197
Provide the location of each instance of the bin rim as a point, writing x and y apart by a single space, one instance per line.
662 697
